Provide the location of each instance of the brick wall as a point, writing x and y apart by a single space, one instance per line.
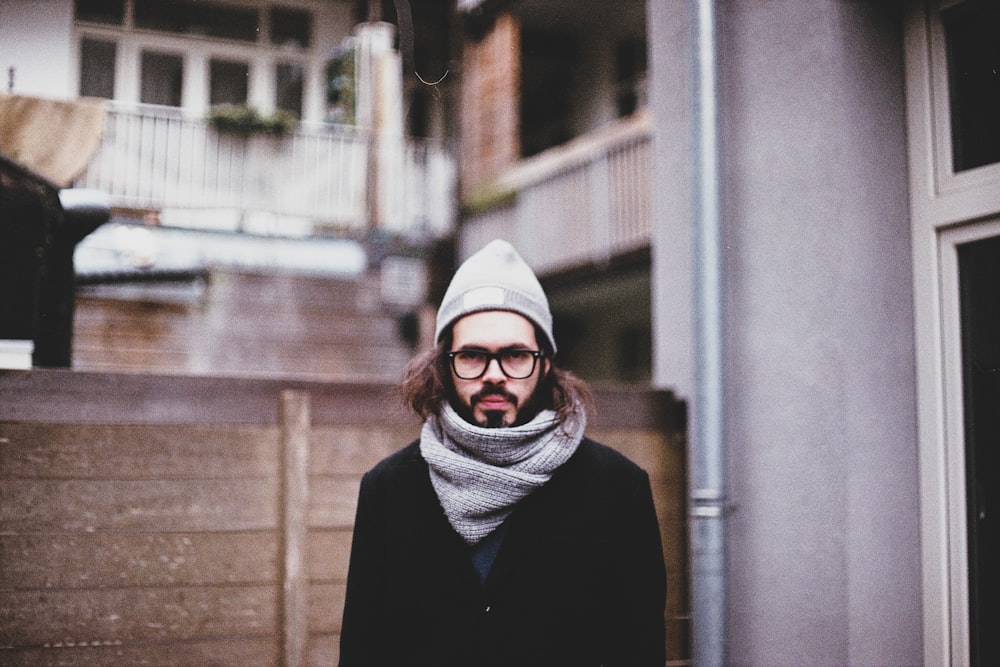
490 102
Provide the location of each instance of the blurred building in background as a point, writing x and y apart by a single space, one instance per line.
556 156
239 139
802 247
788 213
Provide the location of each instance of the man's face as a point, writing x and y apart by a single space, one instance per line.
495 399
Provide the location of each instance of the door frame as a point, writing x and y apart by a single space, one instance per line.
947 210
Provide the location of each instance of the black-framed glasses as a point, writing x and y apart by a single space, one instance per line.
516 364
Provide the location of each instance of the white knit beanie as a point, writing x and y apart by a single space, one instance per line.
495 278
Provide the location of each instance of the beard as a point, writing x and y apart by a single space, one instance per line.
494 418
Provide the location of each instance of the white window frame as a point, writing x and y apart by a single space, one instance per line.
954 472
948 209
970 184
198 51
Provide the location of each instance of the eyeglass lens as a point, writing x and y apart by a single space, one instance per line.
515 364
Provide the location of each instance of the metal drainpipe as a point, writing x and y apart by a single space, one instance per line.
707 506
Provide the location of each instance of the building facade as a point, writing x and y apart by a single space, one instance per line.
239 141
555 145
836 339
275 118
841 387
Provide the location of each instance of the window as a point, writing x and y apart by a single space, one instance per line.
288 81
200 53
197 18
162 77
548 64
97 68
165 16
972 35
340 87
291 27
630 75
228 82
979 270
110 12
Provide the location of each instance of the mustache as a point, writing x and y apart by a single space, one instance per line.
493 391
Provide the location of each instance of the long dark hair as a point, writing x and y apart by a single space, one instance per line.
427 384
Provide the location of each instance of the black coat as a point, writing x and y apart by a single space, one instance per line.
578 581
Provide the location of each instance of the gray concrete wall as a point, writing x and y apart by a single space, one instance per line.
823 540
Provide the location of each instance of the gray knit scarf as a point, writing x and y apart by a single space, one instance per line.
479 474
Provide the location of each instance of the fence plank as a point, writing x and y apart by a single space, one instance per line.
50 618
86 506
332 501
326 607
324 650
110 560
355 450
136 451
329 553
237 652
95 560
295 501
76 397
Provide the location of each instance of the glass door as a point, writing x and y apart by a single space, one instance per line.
979 295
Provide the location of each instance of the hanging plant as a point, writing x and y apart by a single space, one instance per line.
341 83
488 198
245 120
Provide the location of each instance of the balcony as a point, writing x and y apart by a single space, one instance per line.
584 202
342 181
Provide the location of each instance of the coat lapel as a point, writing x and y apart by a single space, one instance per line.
425 524
535 521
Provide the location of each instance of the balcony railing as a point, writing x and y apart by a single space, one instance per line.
314 180
584 202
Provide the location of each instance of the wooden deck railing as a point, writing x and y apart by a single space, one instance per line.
584 202
155 158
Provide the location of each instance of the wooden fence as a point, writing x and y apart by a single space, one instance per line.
207 521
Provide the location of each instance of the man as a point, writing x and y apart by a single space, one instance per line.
502 536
